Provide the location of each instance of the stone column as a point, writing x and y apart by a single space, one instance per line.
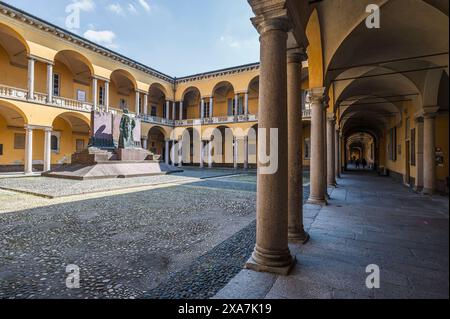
47 149
337 150
236 104
202 108
325 152
50 83
295 163
138 111
419 154
246 152
167 110
201 154
180 152
31 63
211 107
166 152
331 166
235 153
174 110
146 103
317 189
28 150
181 110
173 153
210 158
271 253
246 103
429 151
107 96
95 94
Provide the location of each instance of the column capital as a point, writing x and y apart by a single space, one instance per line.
297 55
263 24
331 118
316 96
430 111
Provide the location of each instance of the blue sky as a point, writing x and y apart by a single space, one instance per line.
177 37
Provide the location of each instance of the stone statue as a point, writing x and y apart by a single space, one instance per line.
127 125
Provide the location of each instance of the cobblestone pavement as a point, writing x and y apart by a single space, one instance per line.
125 245
212 271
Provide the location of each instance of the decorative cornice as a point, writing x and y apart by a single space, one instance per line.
68 36
218 73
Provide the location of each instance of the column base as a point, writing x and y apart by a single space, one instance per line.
333 184
427 191
301 237
252 264
315 201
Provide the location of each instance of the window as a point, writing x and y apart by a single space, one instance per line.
241 105
153 111
231 106
306 151
19 141
101 96
56 84
206 110
55 142
1 149
392 146
79 145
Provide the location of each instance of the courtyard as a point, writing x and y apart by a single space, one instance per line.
131 239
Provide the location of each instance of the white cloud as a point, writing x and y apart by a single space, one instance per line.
132 9
115 8
84 5
105 37
228 40
145 5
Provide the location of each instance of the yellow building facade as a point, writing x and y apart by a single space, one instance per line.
51 81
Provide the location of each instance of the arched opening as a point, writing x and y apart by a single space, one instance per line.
123 91
70 135
224 100
222 138
72 77
156 142
12 137
191 103
157 101
13 59
253 96
361 151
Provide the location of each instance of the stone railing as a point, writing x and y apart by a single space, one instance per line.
13 93
155 120
72 104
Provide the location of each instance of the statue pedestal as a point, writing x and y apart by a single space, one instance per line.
134 155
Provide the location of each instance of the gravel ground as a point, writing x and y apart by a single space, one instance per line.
53 188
